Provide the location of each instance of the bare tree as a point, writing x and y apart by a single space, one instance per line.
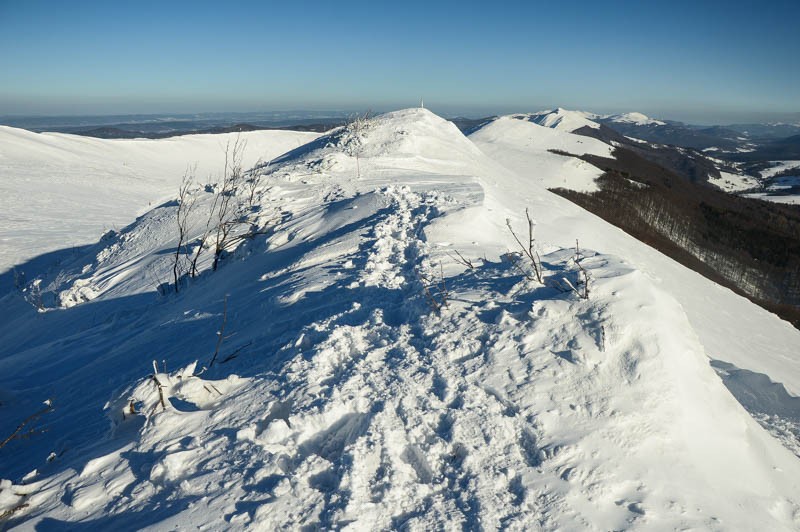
186 203
254 181
233 216
529 251
227 215
355 127
221 216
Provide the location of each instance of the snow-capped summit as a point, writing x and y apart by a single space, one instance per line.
635 118
562 119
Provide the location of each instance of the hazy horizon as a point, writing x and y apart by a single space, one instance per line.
445 111
707 64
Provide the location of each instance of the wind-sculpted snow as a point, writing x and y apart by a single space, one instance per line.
343 397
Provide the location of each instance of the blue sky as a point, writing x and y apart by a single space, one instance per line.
706 61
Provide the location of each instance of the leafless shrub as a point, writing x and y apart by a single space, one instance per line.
221 332
8 513
227 215
461 259
254 181
529 251
356 126
232 216
435 290
186 203
578 257
582 288
20 433
159 387
163 288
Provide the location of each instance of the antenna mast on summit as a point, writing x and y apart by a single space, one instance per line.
421 103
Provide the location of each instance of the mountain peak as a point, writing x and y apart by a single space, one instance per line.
635 118
562 119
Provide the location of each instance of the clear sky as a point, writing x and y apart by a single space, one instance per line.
693 60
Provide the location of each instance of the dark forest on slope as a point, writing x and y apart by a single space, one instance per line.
748 245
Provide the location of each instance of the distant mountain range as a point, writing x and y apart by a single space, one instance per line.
159 126
738 142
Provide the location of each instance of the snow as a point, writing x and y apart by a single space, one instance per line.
778 167
562 119
638 141
730 182
523 147
636 118
778 189
351 403
47 179
788 199
730 327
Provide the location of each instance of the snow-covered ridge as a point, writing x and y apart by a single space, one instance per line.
635 118
346 400
561 119
526 147
566 120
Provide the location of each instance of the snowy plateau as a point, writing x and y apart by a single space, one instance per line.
379 354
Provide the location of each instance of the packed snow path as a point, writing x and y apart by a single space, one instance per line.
352 402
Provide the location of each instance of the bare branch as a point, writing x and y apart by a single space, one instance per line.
186 202
530 250
459 258
221 332
578 257
435 291
18 434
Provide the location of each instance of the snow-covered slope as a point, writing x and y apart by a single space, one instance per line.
59 190
778 167
525 147
562 119
730 327
638 119
343 399
730 182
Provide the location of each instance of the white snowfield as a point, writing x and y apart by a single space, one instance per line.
58 190
345 398
730 182
789 199
569 121
635 118
779 167
562 119
773 191
523 146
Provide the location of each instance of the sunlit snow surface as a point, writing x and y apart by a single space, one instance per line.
351 403
636 118
58 190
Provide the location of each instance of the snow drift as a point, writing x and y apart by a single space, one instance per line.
348 399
